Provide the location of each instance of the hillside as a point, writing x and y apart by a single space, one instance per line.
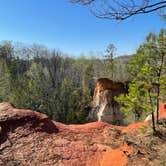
31 138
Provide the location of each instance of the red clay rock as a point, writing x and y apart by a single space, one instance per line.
117 156
105 108
162 112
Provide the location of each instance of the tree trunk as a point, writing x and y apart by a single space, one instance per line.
153 116
158 95
153 122
158 86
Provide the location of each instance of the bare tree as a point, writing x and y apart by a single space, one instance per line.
109 57
121 9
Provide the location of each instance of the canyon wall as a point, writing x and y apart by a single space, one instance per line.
105 108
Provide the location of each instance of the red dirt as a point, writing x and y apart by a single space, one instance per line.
31 138
162 112
117 157
94 125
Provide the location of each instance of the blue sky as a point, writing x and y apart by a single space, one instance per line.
71 28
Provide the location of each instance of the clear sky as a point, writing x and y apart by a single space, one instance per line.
70 27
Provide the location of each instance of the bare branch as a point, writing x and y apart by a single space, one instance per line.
121 9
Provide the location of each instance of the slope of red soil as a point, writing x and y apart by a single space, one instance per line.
31 138
116 157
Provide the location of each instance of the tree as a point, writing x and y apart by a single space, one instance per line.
78 100
39 87
109 58
7 52
154 66
5 80
89 81
121 9
70 102
147 69
134 100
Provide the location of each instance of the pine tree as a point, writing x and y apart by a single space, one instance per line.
147 69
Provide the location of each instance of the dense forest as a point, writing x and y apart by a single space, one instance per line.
61 86
49 81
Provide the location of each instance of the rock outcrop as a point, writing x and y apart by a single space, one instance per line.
162 115
105 108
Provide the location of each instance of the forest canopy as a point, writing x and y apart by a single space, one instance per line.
61 86
49 81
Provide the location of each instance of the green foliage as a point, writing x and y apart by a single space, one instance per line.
5 85
109 60
33 77
134 101
147 69
48 81
71 103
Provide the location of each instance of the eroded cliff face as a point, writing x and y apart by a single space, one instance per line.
105 108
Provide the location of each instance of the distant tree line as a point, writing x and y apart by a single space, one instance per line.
45 80
61 86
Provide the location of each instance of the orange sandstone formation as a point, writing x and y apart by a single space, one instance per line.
105 108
